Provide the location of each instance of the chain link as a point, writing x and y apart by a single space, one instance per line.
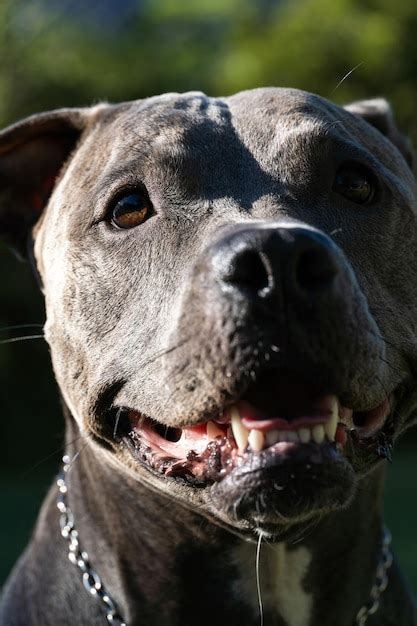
91 580
381 581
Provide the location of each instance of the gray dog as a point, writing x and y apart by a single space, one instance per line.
231 302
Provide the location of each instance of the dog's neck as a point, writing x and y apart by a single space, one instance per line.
157 558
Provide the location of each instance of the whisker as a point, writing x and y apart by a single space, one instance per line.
258 578
75 457
346 76
51 455
161 353
116 422
15 339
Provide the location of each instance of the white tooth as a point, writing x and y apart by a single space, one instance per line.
318 433
304 434
282 436
240 433
272 436
256 440
292 436
331 424
213 430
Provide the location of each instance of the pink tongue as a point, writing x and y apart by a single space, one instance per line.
318 413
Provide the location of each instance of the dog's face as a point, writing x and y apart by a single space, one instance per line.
230 292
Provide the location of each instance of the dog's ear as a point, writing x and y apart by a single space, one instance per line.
378 112
32 154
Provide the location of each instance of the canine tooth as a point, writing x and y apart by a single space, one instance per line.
331 424
304 434
240 433
256 440
213 430
318 433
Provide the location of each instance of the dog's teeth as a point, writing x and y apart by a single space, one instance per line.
331 424
213 430
256 440
304 435
318 433
272 436
292 436
240 433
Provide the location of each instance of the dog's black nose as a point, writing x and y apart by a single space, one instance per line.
290 260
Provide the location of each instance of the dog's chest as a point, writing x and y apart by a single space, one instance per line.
281 572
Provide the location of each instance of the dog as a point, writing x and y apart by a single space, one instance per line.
231 314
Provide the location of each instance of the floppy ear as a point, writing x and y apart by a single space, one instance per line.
32 154
379 114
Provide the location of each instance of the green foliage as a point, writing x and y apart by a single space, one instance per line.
54 58
51 57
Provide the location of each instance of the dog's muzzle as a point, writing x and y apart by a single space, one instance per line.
280 299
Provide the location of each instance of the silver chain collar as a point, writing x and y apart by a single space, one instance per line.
381 580
79 557
94 586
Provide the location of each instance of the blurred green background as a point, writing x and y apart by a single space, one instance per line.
56 53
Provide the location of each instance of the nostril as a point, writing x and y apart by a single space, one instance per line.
249 270
315 269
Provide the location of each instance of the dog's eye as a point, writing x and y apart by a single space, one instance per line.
355 183
131 210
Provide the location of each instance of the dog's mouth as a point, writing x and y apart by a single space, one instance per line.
305 428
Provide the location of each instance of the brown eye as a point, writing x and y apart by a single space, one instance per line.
131 210
355 183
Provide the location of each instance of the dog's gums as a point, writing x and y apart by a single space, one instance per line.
205 453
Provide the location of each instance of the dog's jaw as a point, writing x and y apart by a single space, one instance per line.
275 474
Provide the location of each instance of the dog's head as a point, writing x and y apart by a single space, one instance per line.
230 291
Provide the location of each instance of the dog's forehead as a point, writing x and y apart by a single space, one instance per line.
252 128
167 121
